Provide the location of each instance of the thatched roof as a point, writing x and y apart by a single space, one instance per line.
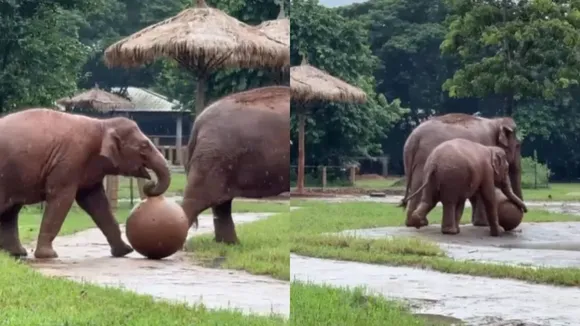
198 37
278 29
309 83
96 99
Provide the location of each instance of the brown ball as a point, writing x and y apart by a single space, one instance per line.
157 227
509 215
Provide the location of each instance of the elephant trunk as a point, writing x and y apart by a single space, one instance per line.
159 165
515 176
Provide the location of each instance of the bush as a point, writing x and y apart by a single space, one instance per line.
534 174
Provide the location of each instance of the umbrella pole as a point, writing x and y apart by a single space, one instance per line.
301 123
200 94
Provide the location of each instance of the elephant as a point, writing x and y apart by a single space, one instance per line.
459 169
60 158
238 148
429 134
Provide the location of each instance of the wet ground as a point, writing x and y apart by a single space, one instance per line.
449 298
475 300
85 256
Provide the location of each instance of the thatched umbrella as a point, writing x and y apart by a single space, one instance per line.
96 99
201 39
279 29
308 83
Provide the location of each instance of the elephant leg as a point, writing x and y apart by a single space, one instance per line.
490 204
225 229
459 207
478 213
448 220
94 201
58 204
429 200
9 237
414 203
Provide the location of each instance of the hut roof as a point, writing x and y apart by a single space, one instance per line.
310 83
200 37
96 99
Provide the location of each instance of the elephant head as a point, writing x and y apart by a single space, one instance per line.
507 139
501 180
130 152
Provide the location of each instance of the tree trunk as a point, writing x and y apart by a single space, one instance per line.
300 179
200 94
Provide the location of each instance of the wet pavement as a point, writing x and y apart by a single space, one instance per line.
475 300
554 244
85 257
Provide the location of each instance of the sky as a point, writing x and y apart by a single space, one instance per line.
337 3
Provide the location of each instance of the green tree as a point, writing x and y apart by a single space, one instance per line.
335 132
512 50
40 51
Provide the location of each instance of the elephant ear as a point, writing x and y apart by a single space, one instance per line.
110 147
497 159
504 132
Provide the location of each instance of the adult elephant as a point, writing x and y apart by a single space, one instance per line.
59 157
238 148
499 132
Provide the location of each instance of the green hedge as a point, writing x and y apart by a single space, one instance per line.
534 174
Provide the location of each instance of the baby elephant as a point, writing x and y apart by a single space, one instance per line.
457 170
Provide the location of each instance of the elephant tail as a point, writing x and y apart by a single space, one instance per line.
409 175
427 180
190 148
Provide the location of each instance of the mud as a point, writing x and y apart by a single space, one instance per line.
559 243
85 257
475 300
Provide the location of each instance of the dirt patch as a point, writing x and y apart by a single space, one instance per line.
370 176
475 300
85 257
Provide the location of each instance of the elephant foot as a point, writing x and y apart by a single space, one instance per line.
16 251
45 253
416 222
494 232
121 250
480 223
225 231
450 230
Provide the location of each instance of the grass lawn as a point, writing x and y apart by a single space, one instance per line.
556 192
178 182
323 305
28 298
263 249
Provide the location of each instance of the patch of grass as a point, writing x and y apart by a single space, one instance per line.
319 305
76 220
378 183
555 192
263 249
178 182
315 218
29 298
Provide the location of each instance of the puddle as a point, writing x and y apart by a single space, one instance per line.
558 242
85 257
477 301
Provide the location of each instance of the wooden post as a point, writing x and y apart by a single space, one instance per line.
323 178
352 176
301 160
170 154
179 139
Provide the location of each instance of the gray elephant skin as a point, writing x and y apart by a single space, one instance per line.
59 157
459 169
429 134
238 148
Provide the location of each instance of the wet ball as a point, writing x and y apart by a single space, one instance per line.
509 215
157 227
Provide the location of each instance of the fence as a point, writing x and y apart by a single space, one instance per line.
324 176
